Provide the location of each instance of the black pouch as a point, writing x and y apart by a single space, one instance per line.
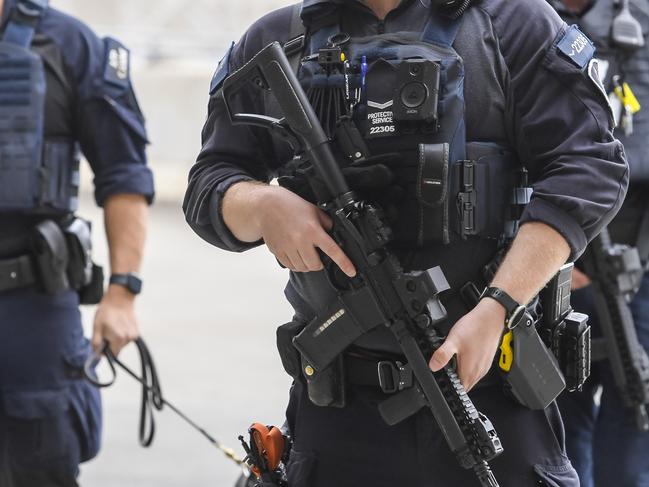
327 387
423 211
566 332
80 266
575 357
51 254
93 292
432 193
287 351
485 185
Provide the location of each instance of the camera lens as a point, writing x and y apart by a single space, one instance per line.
414 94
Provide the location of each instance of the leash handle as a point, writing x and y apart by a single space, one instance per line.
151 392
90 366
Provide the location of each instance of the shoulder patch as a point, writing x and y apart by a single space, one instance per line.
576 47
222 71
117 65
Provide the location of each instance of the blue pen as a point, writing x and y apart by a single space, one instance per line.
363 72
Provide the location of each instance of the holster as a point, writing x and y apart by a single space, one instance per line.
84 275
63 260
51 257
535 378
93 292
77 235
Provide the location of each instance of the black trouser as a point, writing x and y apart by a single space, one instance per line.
353 447
43 452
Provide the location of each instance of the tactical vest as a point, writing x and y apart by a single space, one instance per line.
633 67
37 175
411 104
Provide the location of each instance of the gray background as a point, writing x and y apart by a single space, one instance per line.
208 316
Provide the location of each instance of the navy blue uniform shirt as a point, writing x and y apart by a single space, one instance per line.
87 103
521 92
555 118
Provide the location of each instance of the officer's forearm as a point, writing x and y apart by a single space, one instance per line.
240 209
126 224
536 255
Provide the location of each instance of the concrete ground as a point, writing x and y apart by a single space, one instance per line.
209 318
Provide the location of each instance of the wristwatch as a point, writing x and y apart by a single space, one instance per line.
515 312
130 281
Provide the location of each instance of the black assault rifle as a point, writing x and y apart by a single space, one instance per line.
381 294
616 272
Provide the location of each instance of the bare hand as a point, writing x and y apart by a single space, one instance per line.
293 229
579 280
115 320
474 340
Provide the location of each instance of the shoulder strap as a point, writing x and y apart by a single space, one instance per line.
441 30
318 32
296 39
23 20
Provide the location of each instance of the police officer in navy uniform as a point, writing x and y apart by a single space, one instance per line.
63 91
526 84
604 443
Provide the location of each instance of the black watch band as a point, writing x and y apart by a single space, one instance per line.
130 281
513 309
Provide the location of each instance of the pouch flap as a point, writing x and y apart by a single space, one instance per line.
432 181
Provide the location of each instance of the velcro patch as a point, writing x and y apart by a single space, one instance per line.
117 65
575 46
222 71
596 77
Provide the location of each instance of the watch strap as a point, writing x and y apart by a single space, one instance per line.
514 310
130 281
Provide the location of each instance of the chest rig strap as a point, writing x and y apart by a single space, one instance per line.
441 30
23 20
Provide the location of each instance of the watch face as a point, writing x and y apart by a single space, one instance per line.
134 283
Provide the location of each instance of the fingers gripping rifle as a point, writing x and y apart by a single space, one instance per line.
616 272
381 294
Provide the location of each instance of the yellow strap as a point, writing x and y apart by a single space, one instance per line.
628 98
506 352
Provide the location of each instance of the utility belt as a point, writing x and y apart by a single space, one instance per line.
547 352
57 257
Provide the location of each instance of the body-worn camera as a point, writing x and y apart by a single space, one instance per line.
417 91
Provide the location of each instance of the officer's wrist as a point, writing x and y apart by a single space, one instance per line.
264 198
116 292
495 310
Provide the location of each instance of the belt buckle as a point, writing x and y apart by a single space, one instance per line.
393 376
